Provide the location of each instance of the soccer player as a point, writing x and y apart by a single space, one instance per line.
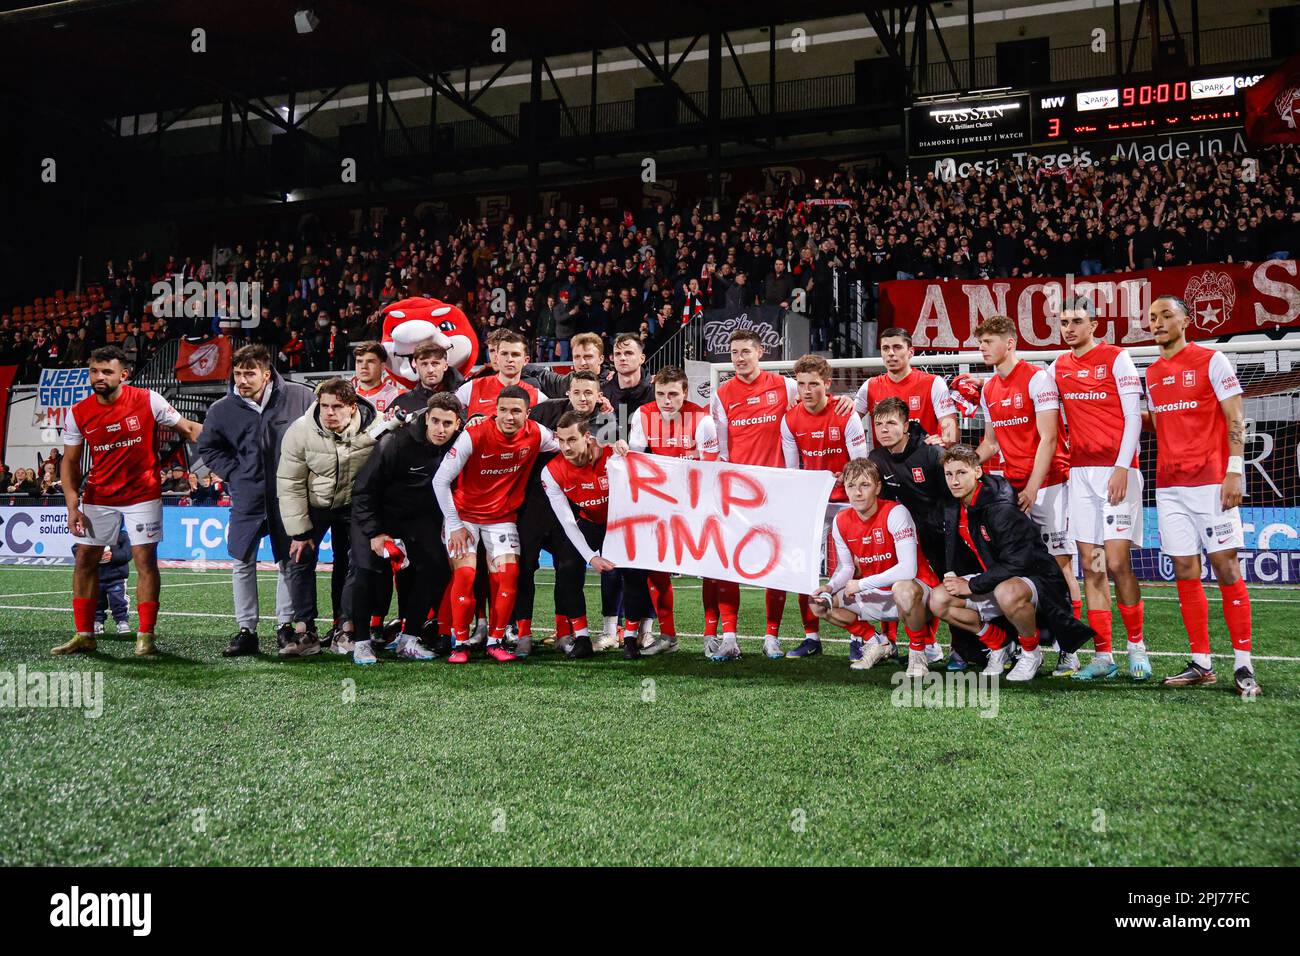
372 381
576 479
1196 404
816 437
925 396
122 487
1100 394
879 573
1021 408
1019 579
479 395
673 426
491 459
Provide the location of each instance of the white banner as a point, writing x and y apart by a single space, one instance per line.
34 533
743 523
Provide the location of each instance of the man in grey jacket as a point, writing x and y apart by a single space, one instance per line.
241 443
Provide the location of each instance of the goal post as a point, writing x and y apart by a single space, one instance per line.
1269 372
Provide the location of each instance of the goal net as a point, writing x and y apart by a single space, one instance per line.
1269 372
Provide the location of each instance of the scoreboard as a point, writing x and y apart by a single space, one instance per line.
1140 109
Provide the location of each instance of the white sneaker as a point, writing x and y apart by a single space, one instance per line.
99 627
772 647
562 643
661 645
124 627
605 642
711 645
996 664
873 654
728 650
1067 665
933 653
1026 668
918 664
363 653
413 650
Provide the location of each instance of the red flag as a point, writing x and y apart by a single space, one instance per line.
204 361
1273 106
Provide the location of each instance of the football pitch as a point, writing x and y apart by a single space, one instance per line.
197 759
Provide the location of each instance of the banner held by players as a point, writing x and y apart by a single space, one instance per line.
752 525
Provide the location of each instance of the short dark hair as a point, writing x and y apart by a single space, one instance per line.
445 402
894 332
861 466
888 407
510 336
428 349
962 453
746 335
108 353
629 337
340 388
582 375
514 391
1080 303
573 419
370 348
670 374
249 355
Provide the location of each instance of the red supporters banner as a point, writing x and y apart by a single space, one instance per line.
942 314
205 361
1273 105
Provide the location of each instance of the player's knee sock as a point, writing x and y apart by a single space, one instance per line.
916 639
445 611
931 632
890 630
563 627
504 585
1076 608
728 605
774 607
83 615
864 630
579 624
148 612
1100 621
524 627
811 626
1196 618
1131 615
661 594
462 602
992 636
1030 643
1236 611
709 593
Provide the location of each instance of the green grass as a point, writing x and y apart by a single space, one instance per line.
202 760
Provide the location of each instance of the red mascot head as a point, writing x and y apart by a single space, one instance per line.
409 322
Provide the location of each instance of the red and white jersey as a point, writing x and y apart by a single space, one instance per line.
123 456
748 418
926 397
822 442
490 472
880 550
1183 394
1011 406
1090 388
479 395
382 395
587 488
691 434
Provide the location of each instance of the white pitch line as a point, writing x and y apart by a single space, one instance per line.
743 637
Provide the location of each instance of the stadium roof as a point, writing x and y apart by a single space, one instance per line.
103 58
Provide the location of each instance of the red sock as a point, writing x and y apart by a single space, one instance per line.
932 632
83 615
728 605
462 602
992 636
1076 607
709 592
661 593
1196 614
1132 618
148 611
774 604
811 626
504 585
562 626
891 631
445 612
1236 611
916 639
862 629
376 620
1030 643
1100 621
579 624
524 627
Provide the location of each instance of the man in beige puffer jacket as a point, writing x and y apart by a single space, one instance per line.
319 460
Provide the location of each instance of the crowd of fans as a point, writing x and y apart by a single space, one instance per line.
649 272
179 486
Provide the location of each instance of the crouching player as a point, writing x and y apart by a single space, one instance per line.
880 573
1020 579
576 479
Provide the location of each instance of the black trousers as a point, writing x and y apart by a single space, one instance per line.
538 530
300 575
571 574
420 585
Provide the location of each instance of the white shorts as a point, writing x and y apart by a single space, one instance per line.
1051 512
873 604
1191 520
987 605
143 523
1093 519
498 539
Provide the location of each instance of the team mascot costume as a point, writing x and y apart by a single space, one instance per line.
409 322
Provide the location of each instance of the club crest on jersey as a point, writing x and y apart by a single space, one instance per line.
771 398
1018 400
132 423
523 452
1189 378
914 402
878 535
835 433
1100 372
918 475
604 483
